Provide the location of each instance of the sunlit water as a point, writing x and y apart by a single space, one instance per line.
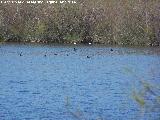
42 82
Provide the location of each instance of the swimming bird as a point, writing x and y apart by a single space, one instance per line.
75 49
55 54
88 57
111 49
20 54
45 55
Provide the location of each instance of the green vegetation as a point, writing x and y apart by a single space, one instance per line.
71 38
124 22
139 99
1 39
147 98
144 93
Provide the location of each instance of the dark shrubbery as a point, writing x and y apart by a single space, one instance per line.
124 22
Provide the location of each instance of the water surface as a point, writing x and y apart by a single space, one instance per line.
56 82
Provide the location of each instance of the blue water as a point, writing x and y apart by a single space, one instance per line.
54 82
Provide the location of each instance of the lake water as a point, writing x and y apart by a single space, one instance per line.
56 82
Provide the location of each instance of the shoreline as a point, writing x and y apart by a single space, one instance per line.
79 44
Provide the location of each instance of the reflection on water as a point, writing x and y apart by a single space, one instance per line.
57 82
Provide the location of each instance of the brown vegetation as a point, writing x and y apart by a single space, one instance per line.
123 22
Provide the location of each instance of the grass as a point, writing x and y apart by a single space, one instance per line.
144 93
139 99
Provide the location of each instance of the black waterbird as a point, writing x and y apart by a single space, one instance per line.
75 49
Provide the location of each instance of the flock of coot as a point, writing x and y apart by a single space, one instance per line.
21 54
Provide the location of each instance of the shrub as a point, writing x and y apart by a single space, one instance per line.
134 22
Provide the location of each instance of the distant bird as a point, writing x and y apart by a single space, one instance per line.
89 43
75 49
67 55
111 49
20 54
88 57
45 55
55 54
74 43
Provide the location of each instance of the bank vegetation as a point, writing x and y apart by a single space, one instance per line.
122 22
